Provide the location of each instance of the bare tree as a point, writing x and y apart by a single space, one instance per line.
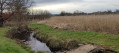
40 14
8 8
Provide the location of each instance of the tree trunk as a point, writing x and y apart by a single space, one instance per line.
1 22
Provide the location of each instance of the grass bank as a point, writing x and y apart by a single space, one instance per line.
9 46
108 40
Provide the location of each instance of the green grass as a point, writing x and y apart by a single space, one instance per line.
108 40
7 45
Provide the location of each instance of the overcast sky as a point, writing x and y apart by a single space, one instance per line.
56 6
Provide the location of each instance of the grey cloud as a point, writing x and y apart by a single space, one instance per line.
55 1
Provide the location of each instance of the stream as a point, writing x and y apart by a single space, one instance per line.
37 45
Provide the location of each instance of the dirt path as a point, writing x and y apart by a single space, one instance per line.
83 49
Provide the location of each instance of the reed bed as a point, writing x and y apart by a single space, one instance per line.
95 23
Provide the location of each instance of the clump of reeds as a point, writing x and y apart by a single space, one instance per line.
71 44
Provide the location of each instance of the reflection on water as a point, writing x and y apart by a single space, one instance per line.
36 45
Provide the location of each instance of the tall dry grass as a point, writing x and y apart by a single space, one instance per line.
96 23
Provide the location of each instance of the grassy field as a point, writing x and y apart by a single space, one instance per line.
95 23
9 46
108 40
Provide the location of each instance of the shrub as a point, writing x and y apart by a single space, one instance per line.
22 33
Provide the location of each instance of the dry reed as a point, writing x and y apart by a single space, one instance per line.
96 23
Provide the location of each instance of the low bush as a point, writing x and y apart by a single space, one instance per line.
22 33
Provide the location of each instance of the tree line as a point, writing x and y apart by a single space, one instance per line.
75 13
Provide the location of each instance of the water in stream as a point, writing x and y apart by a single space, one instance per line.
36 45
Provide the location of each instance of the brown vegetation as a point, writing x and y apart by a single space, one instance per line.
97 23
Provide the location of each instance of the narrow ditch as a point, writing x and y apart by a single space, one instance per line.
37 45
